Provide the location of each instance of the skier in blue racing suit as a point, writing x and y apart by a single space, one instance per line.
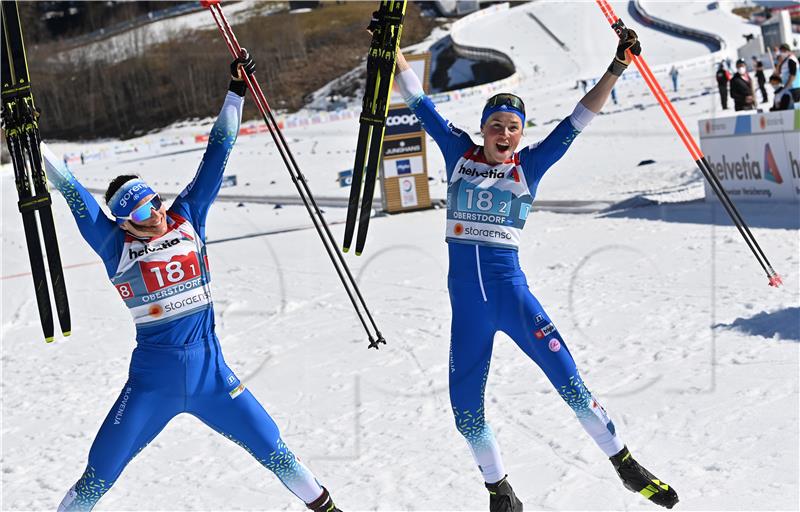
156 259
490 191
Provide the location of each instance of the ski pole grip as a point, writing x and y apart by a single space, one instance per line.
618 27
208 3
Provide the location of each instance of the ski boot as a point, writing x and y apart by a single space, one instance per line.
502 497
638 479
323 504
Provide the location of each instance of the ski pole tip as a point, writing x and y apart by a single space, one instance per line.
775 280
373 343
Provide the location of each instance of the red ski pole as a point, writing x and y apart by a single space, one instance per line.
694 150
321 226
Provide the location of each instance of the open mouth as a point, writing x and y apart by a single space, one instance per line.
502 147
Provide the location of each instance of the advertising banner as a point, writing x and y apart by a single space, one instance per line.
403 166
400 121
408 192
755 156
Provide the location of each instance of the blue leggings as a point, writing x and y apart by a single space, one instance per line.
479 310
166 381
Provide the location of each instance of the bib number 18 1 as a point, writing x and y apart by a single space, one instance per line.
162 274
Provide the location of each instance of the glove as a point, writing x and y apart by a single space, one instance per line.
628 40
247 64
374 23
243 63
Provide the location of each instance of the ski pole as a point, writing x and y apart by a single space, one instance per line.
694 150
298 179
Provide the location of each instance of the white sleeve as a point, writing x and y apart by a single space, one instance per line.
409 85
581 117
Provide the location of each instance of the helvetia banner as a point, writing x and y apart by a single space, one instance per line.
755 156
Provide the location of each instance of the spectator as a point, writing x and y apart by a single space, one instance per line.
742 88
760 78
673 74
787 69
783 98
723 77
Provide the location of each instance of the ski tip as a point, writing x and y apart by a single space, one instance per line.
345 249
66 333
49 339
775 280
358 253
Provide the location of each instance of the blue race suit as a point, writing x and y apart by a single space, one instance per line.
177 365
487 206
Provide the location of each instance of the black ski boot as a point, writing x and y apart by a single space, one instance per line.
638 479
502 498
324 503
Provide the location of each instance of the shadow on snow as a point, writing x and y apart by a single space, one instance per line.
784 323
755 214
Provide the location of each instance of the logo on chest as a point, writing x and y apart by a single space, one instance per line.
147 249
481 171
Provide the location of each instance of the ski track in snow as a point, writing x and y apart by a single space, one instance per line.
668 316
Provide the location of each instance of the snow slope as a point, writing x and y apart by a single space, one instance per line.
663 307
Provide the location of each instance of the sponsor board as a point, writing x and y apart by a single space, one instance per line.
408 192
228 181
345 178
401 121
757 159
397 148
403 166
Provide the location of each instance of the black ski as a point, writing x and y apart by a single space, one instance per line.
386 28
20 123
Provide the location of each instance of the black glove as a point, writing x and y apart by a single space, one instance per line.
628 40
374 23
243 63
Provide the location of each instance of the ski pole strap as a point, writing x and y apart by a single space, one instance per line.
374 120
34 203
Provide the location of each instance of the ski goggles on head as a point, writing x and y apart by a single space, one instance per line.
142 213
503 102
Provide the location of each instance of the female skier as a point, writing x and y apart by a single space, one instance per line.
156 258
490 191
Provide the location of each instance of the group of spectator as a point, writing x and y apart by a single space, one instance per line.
785 81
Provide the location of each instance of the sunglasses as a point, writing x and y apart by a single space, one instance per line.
143 212
507 99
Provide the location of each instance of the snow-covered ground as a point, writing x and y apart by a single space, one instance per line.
139 39
664 308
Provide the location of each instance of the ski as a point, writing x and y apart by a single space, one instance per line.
20 124
386 28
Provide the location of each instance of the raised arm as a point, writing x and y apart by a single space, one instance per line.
598 95
99 231
537 158
197 197
452 141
